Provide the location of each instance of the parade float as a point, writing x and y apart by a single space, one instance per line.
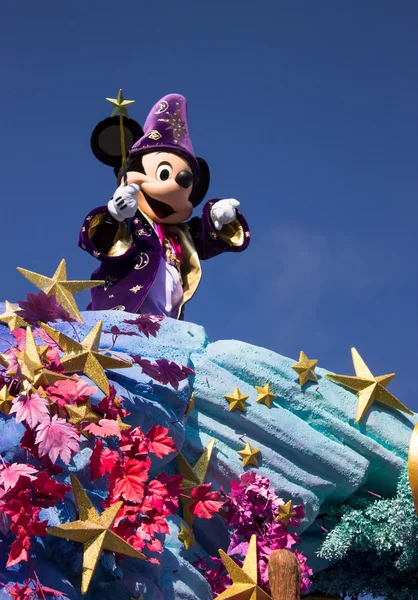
139 459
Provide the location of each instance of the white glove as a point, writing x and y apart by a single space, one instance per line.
123 204
223 212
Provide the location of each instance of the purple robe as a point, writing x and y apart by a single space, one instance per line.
130 259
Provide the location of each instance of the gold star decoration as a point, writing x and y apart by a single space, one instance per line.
305 368
59 286
94 531
30 365
249 455
122 426
120 104
236 400
5 400
245 582
286 513
265 395
186 536
11 318
82 413
85 356
369 388
190 406
193 477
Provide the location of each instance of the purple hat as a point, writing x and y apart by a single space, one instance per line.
166 128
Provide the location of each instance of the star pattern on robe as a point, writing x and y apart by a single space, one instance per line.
265 395
244 579
236 400
84 357
305 368
192 478
249 455
94 531
11 317
286 513
186 536
369 387
120 104
59 286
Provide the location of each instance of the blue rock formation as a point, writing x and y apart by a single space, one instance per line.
312 450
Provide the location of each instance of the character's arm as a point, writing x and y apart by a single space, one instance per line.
209 241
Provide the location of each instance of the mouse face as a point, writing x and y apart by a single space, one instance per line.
165 187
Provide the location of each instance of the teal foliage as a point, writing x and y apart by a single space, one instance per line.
375 544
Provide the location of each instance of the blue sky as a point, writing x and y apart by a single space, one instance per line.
306 113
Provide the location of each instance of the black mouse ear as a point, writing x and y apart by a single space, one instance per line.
105 139
201 187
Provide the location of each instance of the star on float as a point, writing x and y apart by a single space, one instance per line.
85 356
190 405
59 286
120 104
245 582
369 387
5 400
286 513
265 395
186 536
192 478
305 368
81 413
236 400
249 455
11 318
94 531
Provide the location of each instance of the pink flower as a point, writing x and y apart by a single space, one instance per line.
57 439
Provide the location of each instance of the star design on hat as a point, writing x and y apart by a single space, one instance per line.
32 371
59 286
245 580
94 531
176 124
305 368
249 455
186 536
265 395
5 400
81 413
369 387
236 400
11 318
85 357
286 513
192 478
120 104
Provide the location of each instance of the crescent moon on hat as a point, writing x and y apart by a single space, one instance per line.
143 260
163 106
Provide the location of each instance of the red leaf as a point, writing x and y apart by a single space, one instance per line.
206 502
104 428
18 551
110 406
153 523
159 443
129 482
49 491
102 461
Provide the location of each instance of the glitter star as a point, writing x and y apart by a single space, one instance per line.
305 368
236 400
136 289
245 582
186 536
193 477
265 395
59 286
249 455
190 405
80 413
120 104
94 531
286 513
85 356
369 388
11 317
247 234
5 400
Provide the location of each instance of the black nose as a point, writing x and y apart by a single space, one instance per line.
184 178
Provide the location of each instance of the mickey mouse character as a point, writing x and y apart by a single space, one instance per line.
149 255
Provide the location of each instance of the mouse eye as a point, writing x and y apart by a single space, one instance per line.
164 171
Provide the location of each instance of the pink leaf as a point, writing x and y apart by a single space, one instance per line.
104 428
33 409
10 474
57 438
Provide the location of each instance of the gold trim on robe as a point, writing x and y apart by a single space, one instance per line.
232 233
191 271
